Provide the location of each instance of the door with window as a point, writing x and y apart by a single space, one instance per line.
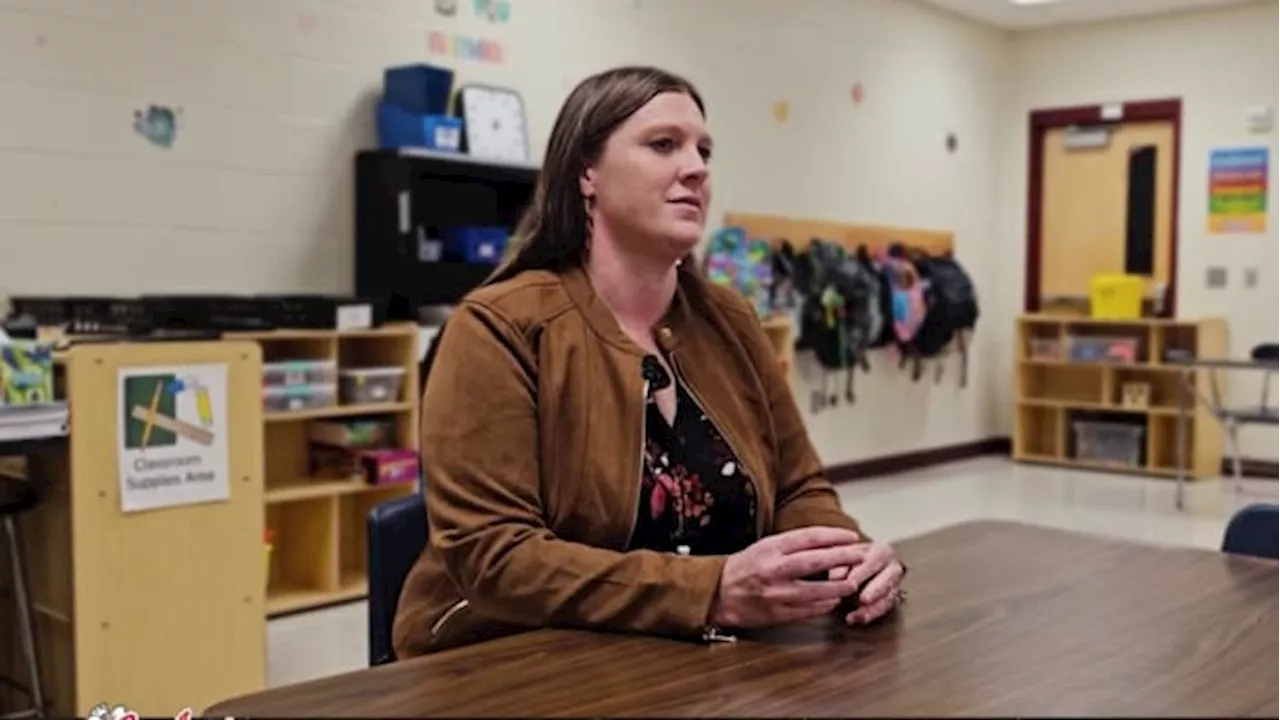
1106 207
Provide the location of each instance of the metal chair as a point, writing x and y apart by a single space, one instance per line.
1253 530
397 533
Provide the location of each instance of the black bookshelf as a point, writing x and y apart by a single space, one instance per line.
406 196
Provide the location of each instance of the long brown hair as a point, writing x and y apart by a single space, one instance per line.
552 232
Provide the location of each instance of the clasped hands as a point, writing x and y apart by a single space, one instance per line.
772 581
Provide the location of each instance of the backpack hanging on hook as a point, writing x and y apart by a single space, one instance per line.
953 311
910 307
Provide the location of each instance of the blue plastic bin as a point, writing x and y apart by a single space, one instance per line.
419 89
400 128
476 244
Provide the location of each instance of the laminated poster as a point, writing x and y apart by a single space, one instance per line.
1238 191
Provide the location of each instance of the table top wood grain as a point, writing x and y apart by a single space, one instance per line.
1004 619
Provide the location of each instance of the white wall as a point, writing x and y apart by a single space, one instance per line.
1219 63
277 95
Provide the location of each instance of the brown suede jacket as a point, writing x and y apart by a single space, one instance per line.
532 423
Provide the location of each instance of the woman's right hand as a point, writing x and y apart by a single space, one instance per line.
765 584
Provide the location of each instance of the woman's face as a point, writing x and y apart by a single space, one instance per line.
651 185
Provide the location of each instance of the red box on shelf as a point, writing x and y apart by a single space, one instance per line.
389 467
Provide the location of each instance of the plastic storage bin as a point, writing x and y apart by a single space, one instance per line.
399 128
1116 297
359 386
475 244
351 433
420 89
1045 349
299 372
287 398
1111 443
1102 349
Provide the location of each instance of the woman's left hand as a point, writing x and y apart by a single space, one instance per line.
880 577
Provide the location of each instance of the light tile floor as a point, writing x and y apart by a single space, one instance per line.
331 641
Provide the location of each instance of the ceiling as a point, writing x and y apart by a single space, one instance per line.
1011 15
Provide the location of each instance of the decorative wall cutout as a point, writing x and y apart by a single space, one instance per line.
464 47
448 8
857 93
158 124
495 11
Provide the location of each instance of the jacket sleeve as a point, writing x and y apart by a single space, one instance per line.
805 497
485 508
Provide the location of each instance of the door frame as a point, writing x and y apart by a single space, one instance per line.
1040 122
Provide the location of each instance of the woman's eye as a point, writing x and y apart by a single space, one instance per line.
705 152
663 145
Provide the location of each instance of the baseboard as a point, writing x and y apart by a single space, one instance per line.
1253 468
917 459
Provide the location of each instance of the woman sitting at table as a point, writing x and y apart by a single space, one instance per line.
608 441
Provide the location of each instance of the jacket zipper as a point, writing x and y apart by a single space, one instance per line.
755 484
454 609
635 510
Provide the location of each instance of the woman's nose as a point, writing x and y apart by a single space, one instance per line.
692 164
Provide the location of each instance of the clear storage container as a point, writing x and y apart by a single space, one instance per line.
299 372
351 433
1102 349
287 398
360 386
1112 443
1045 349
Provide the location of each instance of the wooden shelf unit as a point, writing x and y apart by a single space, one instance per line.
178 589
319 552
1051 392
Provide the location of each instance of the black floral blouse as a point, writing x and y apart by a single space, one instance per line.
693 491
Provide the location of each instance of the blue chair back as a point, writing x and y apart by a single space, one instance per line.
397 533
1253 531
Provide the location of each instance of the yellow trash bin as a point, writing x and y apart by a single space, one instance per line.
1116 297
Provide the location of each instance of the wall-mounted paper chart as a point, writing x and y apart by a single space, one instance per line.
1238 190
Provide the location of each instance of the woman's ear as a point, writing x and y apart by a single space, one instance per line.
587 183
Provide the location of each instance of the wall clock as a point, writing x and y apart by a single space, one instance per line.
493 123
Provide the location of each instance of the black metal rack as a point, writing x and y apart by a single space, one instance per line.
404 198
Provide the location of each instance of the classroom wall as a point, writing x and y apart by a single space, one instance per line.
1219 62
273 98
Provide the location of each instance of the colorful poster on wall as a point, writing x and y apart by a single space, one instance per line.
1238 190
464 47
172 436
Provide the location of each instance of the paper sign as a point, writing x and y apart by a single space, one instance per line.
781 111
1238 190
172 438
465 47
495 11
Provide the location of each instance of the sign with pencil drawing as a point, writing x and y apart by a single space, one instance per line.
172 443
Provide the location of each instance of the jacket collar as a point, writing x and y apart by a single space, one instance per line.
598 316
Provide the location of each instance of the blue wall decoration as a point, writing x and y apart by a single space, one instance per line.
158 124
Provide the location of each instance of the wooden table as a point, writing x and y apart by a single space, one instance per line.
1004 620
